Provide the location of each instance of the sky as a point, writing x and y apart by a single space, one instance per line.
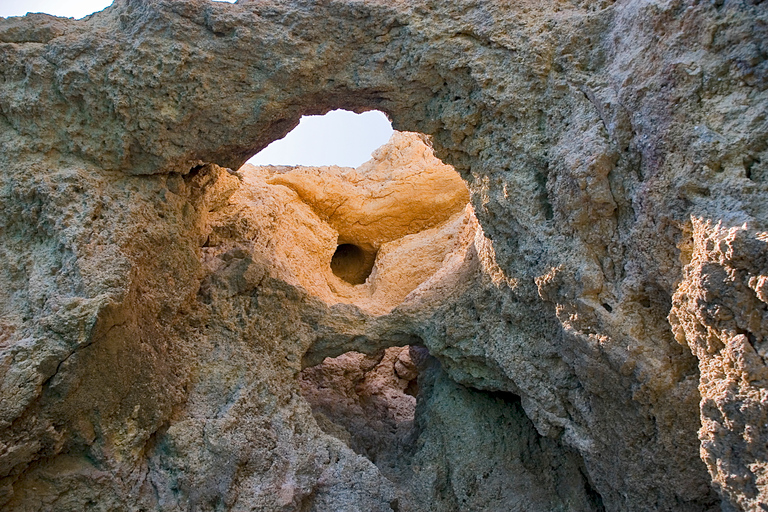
337 138
69 8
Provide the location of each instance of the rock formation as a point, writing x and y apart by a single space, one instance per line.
596 321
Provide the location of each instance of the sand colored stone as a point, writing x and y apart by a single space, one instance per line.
403 190
411 215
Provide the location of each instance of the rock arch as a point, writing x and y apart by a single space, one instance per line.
607 163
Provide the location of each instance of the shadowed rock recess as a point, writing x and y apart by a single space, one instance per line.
590 332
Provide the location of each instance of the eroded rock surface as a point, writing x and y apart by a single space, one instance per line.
399 217
155 315
365 401
464 450
403 190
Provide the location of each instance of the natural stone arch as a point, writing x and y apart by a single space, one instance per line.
180 122
573 126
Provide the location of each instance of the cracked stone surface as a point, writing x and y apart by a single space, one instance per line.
604 297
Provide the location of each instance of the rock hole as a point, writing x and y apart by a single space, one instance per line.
755 168
607 307
401 212
748 163
339 137
367 401
353 264
193 172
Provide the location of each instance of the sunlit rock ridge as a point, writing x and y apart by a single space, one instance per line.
589 333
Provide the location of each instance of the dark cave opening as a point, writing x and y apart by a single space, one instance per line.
450 447
368 401
352 263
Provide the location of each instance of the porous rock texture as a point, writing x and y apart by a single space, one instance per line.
604 339
463 450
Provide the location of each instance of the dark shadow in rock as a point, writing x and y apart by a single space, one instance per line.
364 401
449 447
352 263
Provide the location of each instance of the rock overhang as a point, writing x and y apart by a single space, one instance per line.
571 127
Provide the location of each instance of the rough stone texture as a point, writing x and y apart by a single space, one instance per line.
464 450
402 190
719 311
363 401
295 218
479 451
615 154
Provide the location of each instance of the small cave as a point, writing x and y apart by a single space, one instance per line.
352 263
368 401
443 445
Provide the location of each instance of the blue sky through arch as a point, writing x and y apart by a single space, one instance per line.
67 8
339 138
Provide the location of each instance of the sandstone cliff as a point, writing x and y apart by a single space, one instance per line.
596 320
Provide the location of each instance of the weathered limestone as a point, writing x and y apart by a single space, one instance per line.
404 211
154 316
718 311
403 190
465 450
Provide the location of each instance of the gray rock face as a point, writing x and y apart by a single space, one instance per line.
603 338
462 449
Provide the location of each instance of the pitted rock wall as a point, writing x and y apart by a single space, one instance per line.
615 154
